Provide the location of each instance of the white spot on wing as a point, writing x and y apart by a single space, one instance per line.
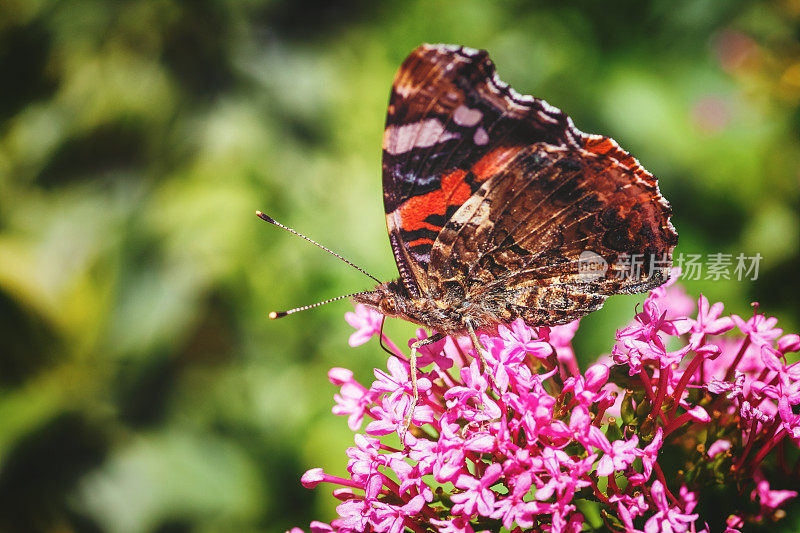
464 116
480 137
399 139
420 258
404 89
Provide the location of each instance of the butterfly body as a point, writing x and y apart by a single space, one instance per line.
448 313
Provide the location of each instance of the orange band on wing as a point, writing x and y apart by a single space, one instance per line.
493 162
454 191
417 242
606 147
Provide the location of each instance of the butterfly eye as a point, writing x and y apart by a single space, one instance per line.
387 306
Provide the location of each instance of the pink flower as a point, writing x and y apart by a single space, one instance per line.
477 495
513 509
641 342
392 518
397 382
510 349
565 475
444 458
339 376
352 400
789 420
733 524
718 447
521 340
536 411
449 464
699 414
564 521
688 499
667 518
443 352
585 389
352 515
561 336
410 477
312 478
629 507
458 524
789 343
617 456
367 323
365 458
709 321
759 328
471 400
655 320
649 456
527 442
731 388
673 297
391 413
768 499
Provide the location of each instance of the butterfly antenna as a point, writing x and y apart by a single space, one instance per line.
280 314
274 222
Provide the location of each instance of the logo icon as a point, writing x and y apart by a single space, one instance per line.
591 266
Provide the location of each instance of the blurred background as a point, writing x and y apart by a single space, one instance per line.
142 388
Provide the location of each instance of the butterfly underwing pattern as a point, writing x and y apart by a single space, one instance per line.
496 204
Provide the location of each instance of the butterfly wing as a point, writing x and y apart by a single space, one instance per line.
497 199
445 114
552 235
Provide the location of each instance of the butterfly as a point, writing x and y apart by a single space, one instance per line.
498 207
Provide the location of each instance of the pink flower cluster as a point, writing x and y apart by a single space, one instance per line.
683 405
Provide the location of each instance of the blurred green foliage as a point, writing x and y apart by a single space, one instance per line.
141 388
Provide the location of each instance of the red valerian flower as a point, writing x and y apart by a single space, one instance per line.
367 323
687 402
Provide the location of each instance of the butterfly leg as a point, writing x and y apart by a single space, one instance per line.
479 350
413 364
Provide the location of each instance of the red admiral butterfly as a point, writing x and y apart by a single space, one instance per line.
495 204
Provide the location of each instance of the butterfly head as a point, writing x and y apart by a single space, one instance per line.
392 299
